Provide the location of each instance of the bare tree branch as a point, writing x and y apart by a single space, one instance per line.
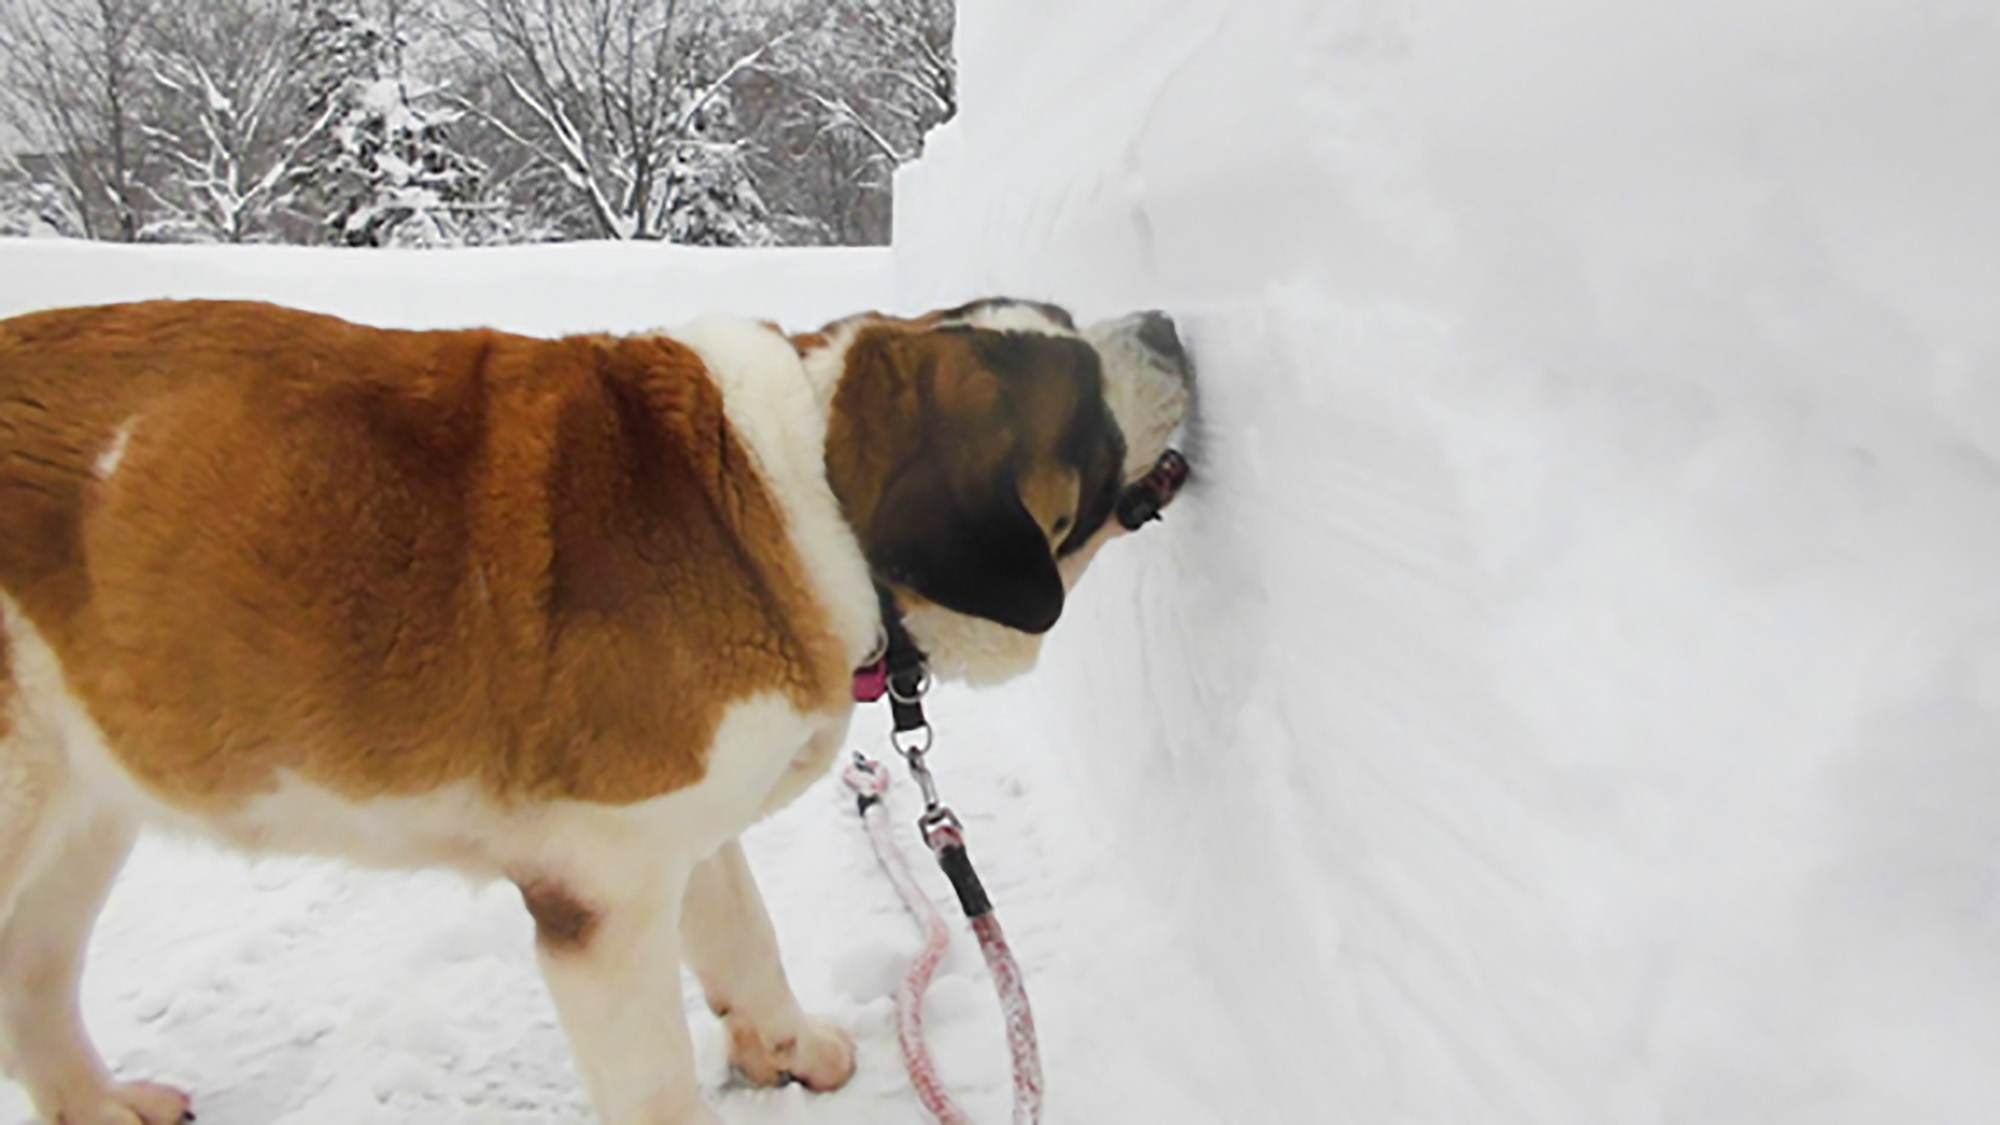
612 94
846 114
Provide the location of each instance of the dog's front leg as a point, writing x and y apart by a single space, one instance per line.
733 949
612 963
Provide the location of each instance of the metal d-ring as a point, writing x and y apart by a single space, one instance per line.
915 750
917 694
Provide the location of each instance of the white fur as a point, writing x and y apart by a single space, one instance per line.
1011 318
780 412
107 461
1146 395
824 365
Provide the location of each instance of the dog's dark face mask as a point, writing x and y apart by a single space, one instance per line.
974 459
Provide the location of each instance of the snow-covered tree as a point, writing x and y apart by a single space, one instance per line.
396 122
387 172
710 199
852 94
229 129
71 86
623 103
881 69
397 178
31 208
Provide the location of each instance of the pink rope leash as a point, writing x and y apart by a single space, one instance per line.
947 841
896 671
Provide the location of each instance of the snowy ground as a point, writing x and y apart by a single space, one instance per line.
1570 693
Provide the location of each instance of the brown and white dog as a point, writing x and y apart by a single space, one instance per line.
572 613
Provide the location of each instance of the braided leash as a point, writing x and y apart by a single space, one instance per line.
899 675
946 839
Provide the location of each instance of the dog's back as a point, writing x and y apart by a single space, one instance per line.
263 542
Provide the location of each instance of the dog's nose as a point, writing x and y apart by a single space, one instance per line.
1156 331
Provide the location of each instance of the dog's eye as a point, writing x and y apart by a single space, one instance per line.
1062 524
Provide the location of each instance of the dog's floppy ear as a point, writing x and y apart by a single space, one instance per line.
921 451
974 550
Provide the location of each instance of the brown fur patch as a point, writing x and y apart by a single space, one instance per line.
563 922
391 561
902 391
908 387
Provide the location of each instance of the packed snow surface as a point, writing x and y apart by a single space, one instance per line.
1570 692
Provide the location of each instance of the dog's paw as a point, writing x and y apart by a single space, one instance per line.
134 1103
816 1053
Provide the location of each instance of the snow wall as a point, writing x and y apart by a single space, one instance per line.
1571 691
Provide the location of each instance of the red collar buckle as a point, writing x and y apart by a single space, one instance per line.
871 681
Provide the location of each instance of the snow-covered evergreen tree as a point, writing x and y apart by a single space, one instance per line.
709 198
408 185
388 172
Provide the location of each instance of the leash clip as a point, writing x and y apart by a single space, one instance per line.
919 769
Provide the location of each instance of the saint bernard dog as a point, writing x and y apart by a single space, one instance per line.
572 613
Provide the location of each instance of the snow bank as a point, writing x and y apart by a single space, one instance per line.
543 290
1572 691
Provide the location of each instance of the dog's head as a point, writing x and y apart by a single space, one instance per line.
979 454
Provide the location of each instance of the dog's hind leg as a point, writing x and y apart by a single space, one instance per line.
731 946
41 967
57 863
26 786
